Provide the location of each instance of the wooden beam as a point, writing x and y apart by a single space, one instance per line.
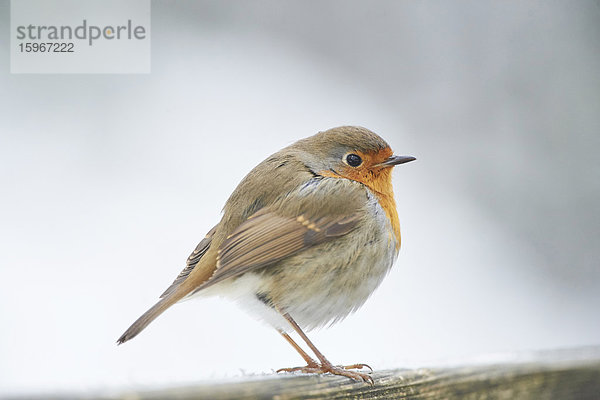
564 374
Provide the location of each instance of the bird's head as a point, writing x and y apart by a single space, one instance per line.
353 153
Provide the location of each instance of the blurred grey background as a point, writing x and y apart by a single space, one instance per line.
109 181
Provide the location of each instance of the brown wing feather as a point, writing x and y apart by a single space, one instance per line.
266 238
192 261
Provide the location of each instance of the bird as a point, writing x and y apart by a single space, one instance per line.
304 240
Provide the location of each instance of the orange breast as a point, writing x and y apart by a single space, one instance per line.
380 183
382 187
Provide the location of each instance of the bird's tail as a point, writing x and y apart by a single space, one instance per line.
149 316
197 277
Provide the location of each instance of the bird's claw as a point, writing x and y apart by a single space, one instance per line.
342 370
357 366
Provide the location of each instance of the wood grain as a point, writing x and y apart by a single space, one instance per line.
563 374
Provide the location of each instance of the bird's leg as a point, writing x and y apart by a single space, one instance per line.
309 361
325 365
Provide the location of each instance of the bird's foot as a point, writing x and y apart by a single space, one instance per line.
342 370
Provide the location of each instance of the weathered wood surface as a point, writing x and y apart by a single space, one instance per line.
565 374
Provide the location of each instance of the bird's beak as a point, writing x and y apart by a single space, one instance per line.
395 160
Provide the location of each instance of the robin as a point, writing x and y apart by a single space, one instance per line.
304 240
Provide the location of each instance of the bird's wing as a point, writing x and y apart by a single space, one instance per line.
192 261
267 237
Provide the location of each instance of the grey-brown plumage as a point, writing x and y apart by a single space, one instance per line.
304 235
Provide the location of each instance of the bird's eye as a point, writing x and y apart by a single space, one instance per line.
353 160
